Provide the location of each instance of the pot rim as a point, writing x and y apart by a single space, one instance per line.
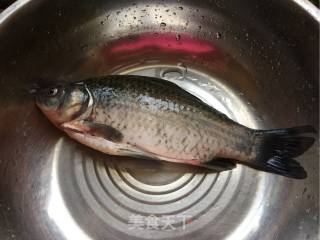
306 5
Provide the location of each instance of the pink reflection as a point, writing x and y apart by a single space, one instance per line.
165 41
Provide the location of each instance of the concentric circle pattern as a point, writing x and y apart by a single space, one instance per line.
117 198
145 199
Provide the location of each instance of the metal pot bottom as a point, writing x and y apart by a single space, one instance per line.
149 200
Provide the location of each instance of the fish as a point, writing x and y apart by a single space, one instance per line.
151 118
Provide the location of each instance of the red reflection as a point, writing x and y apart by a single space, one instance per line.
165 41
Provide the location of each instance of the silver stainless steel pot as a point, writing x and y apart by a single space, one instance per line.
257 61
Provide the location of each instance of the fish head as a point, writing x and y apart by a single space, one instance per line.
63 103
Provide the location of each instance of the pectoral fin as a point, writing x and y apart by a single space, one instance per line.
95 129
219 164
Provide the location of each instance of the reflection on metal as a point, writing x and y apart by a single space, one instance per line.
253 218
310 8
57 209
11 9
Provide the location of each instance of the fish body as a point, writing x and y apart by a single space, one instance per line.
156 119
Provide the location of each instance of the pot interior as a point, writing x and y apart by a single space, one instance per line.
256 61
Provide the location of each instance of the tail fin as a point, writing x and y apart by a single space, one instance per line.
279 146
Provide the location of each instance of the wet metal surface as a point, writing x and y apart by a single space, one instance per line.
246 60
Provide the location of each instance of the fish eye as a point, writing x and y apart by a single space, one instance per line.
52 92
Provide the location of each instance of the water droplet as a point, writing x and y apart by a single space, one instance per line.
102 22
183 68
304 190
167 10
178 37
163 24
218 35
84 47
174 13
199 27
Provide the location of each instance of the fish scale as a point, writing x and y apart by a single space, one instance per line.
184 121
156 119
